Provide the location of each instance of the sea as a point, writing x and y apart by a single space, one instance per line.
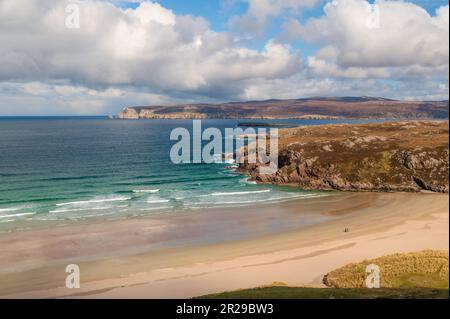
62 169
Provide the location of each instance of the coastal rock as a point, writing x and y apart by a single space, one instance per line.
379 159
128 113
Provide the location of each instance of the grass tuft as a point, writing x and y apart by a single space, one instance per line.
425 269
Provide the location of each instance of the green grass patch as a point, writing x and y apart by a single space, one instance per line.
331 293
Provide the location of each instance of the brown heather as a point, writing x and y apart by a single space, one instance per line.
406 156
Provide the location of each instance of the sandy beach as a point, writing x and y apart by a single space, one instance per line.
146 258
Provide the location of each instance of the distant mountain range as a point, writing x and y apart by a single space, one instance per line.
310 108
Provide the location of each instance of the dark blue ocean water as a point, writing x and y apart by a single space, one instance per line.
59 168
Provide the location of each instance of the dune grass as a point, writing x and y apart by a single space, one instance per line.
424 269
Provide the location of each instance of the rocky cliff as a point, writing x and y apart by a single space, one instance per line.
314 108
397 156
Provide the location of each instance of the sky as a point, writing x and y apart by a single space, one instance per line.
70 57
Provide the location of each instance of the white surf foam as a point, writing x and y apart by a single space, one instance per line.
17 215
145 190
78 210
14 209
154 208
247 181
94 201
157 201
230 161
223 199
241 193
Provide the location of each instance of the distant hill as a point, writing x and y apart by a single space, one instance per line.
311 108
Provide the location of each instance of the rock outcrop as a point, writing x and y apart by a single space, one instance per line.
128 113
394 156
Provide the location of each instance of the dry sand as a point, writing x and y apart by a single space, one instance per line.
115 264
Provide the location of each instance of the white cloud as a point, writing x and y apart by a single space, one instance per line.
149 12
60 98
147 46
254 21
386 39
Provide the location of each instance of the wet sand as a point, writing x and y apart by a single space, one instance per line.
180 256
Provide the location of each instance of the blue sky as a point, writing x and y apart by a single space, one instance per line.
173 51
218 12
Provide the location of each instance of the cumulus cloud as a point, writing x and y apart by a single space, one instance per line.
148 46
253 22
384 39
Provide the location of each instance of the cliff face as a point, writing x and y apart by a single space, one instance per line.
316 108
128 113
134 113
400 156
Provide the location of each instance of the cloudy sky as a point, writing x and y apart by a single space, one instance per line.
175 51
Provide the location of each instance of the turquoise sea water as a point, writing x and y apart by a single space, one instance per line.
69 168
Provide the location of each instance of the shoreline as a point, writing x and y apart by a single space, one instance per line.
379 223
158 230
44 224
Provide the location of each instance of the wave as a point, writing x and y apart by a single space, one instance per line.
16 208
240 193
157 201
93 201
145 190
177 179
12 209
17 215
245 202
93 215
71 178
247 181
230 161
78 210
154 208
226 158
34 200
